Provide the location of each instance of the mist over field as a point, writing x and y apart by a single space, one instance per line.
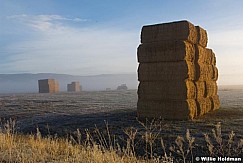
28 83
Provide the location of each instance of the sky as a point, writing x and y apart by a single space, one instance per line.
90 37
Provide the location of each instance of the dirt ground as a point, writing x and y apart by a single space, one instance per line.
63 113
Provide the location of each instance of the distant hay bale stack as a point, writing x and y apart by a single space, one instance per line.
48 86
73 87
177 74
108 89
122 87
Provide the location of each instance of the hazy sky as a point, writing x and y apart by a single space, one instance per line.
87 37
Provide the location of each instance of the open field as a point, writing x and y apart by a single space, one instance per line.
62 114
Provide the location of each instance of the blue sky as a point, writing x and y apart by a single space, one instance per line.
85 37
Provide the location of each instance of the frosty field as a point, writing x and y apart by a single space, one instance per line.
63 113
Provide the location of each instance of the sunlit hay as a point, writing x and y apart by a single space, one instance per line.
211 88
201 89
203 106
202 36
166 51
181 30
165 90
215 102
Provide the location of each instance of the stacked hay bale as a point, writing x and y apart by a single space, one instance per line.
122 87
73 87
48 86
177 73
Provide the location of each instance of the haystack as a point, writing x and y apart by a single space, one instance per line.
177 73
48 86
73 87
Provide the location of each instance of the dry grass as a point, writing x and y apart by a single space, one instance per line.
35 148
15 147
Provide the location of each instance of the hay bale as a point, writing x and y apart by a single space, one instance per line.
215 73
204 72
180 110
203 106
200 54
167 90
211 88
166 71
202 36
204 55
215 102
200 89
209 56
165 51
180 30
213 59
73 87
48 86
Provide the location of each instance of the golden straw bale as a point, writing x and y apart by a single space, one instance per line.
211 88
166 71
201 89
213 59
180 30
203 106
215 73
167 90
180 110
165 51
204 72
202 36
204 55
215 102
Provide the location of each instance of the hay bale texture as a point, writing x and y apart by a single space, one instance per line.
177 73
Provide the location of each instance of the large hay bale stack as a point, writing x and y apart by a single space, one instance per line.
177 73
48 86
